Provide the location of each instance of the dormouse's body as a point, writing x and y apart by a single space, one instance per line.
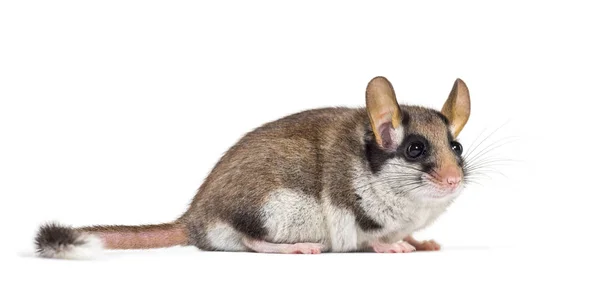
334 179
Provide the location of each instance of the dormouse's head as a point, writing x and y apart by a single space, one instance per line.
414 149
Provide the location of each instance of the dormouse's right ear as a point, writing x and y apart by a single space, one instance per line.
457 107
384 112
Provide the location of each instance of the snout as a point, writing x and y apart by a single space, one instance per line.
447 178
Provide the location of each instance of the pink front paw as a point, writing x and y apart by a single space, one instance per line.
398 247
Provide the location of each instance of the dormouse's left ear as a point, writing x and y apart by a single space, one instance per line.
458 107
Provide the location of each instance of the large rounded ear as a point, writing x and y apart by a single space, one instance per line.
457 107
384 112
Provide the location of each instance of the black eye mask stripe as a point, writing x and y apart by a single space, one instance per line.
405 118
376 157
450 137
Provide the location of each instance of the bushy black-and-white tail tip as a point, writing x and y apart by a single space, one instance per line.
57 241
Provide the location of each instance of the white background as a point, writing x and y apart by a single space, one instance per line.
113 112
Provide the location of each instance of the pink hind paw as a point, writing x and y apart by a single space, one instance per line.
305 248
297 248
398 247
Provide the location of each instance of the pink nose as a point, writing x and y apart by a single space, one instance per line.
453 181
449 176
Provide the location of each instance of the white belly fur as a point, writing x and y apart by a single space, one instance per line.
292 216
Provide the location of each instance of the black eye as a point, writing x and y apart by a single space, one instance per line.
456 147
415 149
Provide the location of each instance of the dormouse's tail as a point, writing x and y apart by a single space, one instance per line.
57 241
